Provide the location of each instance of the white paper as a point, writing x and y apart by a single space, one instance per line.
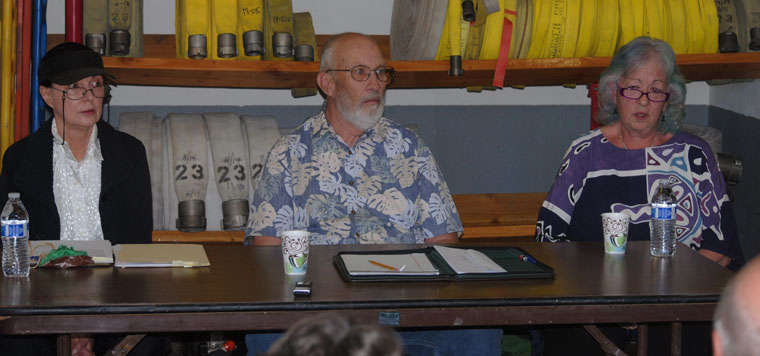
408 264
468 260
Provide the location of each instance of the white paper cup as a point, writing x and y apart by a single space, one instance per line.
295 251
615 232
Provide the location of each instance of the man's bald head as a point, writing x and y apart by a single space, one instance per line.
337 43
737 318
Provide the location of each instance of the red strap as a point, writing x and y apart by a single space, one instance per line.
506 40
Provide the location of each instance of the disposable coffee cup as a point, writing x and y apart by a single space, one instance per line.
615 232
295 251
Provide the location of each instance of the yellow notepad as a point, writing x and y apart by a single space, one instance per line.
160 255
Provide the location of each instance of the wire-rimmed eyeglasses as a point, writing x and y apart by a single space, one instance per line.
361 73
76 93
636 94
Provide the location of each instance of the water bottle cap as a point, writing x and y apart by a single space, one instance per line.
14 195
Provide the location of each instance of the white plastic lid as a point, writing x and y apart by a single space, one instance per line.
14 195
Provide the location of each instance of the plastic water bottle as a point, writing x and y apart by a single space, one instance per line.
14 230
662 226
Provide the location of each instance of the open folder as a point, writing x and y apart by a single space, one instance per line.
440 263
160 255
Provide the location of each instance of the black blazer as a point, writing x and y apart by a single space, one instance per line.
125 198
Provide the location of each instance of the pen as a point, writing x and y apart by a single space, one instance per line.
383 265
527 258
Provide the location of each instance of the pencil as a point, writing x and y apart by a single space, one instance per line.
383 265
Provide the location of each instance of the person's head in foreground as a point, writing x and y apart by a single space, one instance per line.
334 335
736 324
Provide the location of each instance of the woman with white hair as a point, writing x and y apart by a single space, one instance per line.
617 167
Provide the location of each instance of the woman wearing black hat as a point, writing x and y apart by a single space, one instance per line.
79 178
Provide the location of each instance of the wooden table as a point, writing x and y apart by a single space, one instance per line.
245 289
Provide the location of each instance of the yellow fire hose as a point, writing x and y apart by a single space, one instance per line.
224 29
7 112
251 29
278 30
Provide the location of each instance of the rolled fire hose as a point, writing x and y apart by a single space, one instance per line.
305 48
678 36
631 20
196 22
251 29
449 46
710 23
120 21
180 44
190 169
711 135
475 33
732 32
228 154
8 37
695 41
136 30
730 166
95 25
156 164
475 37
261 132
607 28
39 45
572 23
587 28
555 29
541 20
148 129
416 29
732 36
752 16
523 28
278 30
224 29
653 19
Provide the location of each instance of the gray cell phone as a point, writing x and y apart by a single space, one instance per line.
302 289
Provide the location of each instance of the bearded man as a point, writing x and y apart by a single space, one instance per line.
348 175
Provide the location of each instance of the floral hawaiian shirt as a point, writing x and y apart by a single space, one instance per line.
386 188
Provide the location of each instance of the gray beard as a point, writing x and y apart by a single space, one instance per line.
356 116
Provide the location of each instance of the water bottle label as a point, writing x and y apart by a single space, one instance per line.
14 230
664 212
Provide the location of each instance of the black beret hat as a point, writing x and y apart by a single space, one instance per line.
70 62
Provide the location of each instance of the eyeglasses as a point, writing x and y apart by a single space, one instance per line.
635 94
361 73
76 93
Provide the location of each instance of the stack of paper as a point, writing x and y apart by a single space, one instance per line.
160 255
408 264
468 261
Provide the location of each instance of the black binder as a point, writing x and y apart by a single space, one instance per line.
516 262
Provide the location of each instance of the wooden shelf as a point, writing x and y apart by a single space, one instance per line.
484 217
159 68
